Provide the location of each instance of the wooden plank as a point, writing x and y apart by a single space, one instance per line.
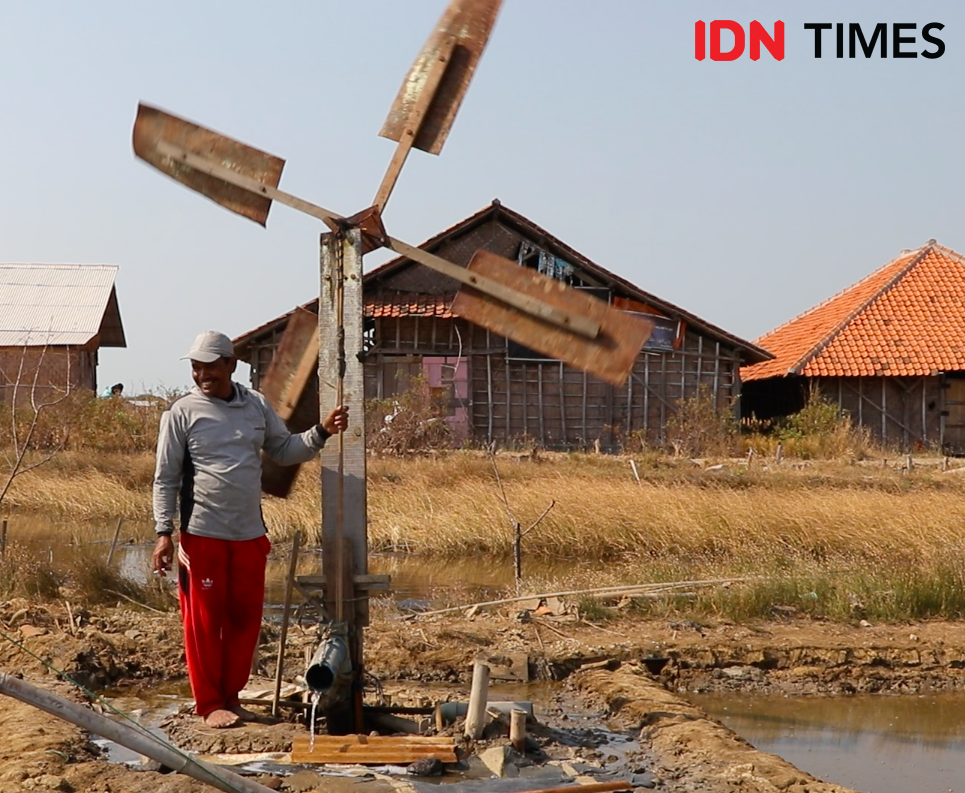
377 581
284 386
374 750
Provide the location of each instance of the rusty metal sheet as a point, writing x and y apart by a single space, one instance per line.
153 126
290 394
609 356
470 23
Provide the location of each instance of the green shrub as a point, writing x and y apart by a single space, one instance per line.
700 428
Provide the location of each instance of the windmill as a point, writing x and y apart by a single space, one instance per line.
536 311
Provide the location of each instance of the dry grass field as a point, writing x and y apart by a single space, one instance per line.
834 538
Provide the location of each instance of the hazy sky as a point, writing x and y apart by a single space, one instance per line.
744 192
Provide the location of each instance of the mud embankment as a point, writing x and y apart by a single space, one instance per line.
638 667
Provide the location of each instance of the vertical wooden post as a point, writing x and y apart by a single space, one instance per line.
884 411
489 393
3 538
525 404
539 391
646 397
344 538
566 438
478 695
509 392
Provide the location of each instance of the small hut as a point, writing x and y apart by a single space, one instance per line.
889 350
53 320
498 390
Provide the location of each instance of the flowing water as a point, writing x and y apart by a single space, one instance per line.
881 744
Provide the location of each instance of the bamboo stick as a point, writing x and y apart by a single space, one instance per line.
613 590
283 638
117 531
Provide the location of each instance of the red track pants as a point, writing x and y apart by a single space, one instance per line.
222 592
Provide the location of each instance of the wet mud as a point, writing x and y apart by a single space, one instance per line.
615 709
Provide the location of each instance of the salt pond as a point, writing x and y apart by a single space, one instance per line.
882 744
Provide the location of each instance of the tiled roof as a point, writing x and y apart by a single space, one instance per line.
906 319
409 305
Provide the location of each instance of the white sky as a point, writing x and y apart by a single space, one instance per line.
744 192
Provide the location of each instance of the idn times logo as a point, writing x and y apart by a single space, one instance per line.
726 40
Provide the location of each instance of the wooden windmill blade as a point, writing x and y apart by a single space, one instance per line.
154 127
609 355
429 98
468 23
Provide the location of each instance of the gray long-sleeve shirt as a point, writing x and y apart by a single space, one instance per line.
209 456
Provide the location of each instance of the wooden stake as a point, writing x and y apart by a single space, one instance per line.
517 730
283 637
117 531
476 717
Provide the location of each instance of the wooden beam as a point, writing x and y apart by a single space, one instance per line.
373 750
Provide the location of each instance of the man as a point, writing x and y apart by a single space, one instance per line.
209 457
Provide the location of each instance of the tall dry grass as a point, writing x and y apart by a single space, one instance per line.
830 539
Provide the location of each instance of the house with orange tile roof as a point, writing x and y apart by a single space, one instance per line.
500 391
889 350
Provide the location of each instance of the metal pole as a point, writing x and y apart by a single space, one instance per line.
137 740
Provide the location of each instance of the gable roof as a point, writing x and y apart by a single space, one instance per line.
905 319
497 211
59 304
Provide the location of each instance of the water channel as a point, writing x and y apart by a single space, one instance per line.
880 744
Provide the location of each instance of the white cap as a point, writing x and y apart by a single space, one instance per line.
209 346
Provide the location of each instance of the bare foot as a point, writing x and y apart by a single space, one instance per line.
219 719
244 714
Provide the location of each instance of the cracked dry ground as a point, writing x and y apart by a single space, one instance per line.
625 670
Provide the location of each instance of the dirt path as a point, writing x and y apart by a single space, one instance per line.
648 662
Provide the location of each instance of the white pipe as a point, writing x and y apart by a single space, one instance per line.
130 737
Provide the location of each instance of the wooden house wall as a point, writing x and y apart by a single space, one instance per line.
51 366
544 401
900 412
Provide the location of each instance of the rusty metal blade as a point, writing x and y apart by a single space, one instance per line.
609 356
470 23
153 126
291 393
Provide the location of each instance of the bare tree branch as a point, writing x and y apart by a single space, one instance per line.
21 445
540 518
